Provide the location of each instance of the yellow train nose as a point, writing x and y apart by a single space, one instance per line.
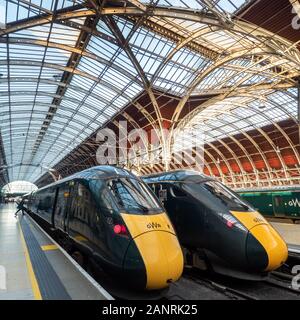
272 243
266 250
162 257
158 246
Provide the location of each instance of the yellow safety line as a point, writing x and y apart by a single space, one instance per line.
49 247
33 280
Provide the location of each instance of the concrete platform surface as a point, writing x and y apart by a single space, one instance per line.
290 232
33 266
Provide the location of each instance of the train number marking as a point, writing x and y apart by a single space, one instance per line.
258 220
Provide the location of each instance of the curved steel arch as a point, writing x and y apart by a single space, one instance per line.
249 138
54 95
214 21
57 83
280 129
44 19
67 69
67 48
270 170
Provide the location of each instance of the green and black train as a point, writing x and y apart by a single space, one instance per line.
281 202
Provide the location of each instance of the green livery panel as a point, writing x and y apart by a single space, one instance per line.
282 204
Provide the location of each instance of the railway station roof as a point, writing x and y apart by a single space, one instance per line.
228 68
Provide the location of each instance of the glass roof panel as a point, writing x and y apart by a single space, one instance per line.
222 5
237 115
95 101
54 94
17 10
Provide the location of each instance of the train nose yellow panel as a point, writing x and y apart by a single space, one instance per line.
274 245
162 257
158 245
267 236
249 219
138 224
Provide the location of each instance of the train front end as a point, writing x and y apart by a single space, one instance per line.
153 257
265 248
239 236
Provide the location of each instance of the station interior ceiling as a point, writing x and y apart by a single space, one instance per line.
227 70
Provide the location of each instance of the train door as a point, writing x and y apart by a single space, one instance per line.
278 206
61 207
182 211
54 207
70 204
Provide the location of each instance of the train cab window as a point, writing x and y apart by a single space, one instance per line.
133 196
177 193
225 195
228 197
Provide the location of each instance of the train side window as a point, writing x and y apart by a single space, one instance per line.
177 193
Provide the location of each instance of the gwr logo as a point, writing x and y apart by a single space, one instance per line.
2 278
153 225
294 203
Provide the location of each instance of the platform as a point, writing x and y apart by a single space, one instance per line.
33 266
290 233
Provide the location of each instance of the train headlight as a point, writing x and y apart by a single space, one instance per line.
231 221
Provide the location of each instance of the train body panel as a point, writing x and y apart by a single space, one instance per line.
105 212
210 218
282 203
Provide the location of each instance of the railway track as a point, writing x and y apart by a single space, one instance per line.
273 288
198 285
191 287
